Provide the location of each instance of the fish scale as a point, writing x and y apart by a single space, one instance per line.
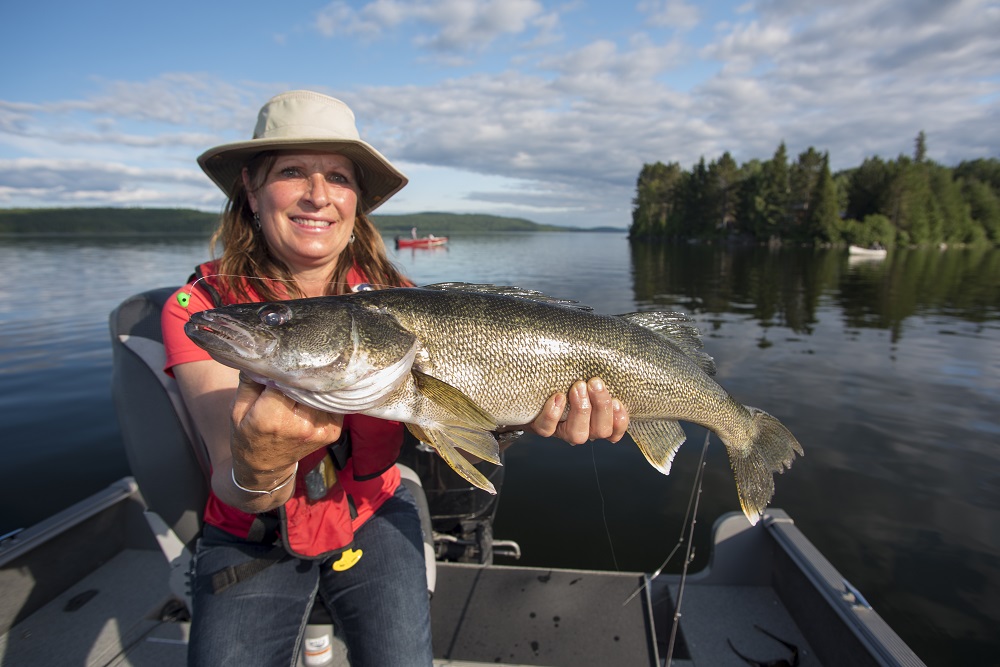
541 351
455 362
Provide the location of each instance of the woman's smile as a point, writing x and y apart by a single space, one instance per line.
311 223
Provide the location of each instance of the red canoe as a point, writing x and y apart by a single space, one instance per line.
423 242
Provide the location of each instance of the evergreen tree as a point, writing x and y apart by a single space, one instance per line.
803 179
906 201
770 209
724 180
868 189
920 147
984 208
748 200
654 200
984 170
824 212
698 209
950 221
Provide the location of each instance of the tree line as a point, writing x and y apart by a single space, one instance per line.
167 221
89 221
906 201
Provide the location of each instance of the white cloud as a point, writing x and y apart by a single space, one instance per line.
859 78
339 18
811 78
748 44
453 25
100 183
675 14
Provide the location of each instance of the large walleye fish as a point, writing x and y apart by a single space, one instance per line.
455 362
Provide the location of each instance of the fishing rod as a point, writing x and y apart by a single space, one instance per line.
687 528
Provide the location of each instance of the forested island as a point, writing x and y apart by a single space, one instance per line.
171 221
906 201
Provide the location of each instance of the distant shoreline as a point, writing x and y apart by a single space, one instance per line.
146 222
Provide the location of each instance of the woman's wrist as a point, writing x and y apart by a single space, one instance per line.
264 482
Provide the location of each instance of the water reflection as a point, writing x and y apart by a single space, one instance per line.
785 287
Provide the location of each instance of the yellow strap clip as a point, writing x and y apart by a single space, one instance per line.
348 559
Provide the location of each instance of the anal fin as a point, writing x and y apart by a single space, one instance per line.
658 441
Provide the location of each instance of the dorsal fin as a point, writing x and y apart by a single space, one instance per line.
507 290
679 330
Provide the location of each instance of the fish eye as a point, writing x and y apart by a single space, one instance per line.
275 314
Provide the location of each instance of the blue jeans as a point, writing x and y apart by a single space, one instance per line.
380 606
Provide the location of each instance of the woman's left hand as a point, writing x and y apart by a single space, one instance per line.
593 414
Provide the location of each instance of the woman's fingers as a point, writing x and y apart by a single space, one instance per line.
271 430
593 414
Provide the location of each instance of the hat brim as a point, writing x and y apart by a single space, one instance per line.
380 180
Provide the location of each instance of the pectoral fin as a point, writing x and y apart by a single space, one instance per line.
463 408
447 442
658 440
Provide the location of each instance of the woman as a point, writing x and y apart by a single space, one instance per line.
296 225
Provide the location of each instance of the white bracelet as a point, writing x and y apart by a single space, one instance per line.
280 486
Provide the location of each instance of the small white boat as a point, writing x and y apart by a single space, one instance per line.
870 253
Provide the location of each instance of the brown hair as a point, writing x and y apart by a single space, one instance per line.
245 253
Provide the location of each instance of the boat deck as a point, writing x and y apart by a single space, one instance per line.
121 614
113 616
122 611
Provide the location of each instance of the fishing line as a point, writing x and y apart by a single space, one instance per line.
604 513
687 557
184 298
695 493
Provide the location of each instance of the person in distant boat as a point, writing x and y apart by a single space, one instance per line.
304 501
413 232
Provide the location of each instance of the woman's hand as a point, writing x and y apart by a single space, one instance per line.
593 414
272 432
253 434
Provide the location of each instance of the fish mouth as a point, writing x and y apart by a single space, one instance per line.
228 337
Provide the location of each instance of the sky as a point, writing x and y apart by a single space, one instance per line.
526 108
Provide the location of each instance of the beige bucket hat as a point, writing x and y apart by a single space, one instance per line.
307 120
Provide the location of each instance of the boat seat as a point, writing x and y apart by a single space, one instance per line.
168 459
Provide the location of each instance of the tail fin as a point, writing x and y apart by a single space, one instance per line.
772 449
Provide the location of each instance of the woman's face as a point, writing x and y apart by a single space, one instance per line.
307 207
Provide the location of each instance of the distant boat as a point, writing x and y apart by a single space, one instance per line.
872 253
429 241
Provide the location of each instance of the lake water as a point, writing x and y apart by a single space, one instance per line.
887 372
